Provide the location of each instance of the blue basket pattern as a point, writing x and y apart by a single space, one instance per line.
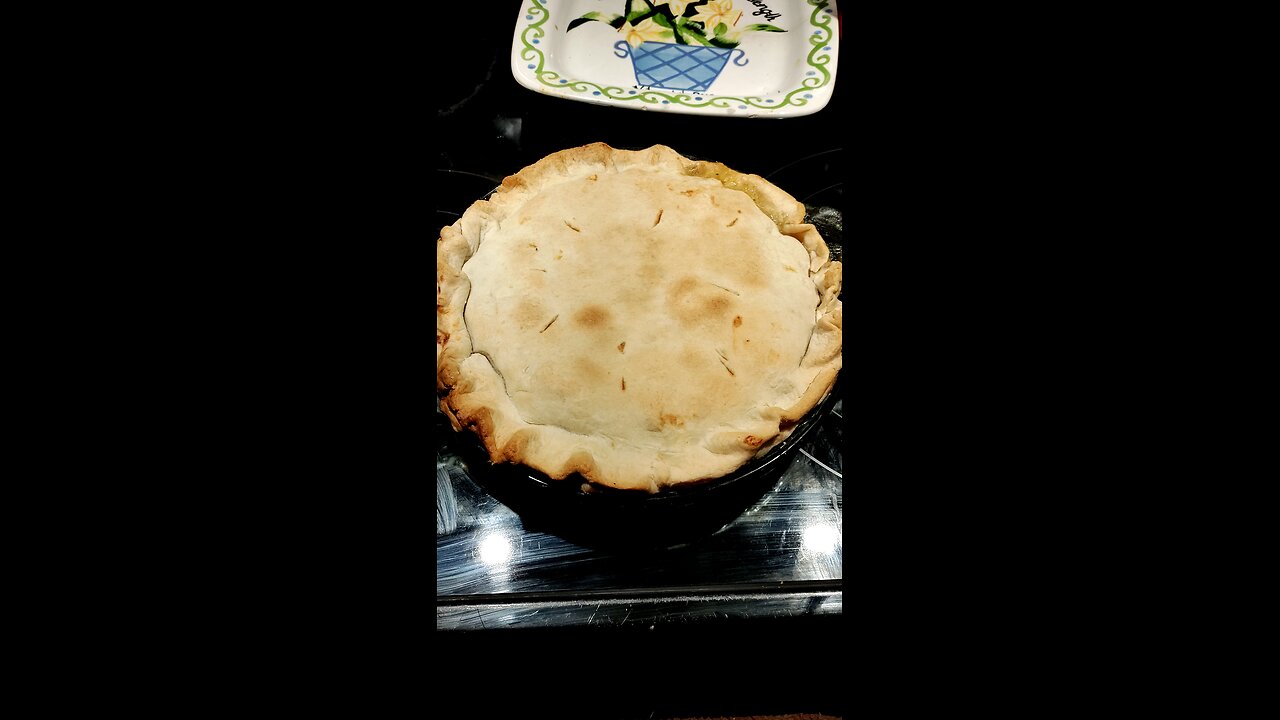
677 67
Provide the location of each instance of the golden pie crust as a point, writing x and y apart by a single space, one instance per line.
635 317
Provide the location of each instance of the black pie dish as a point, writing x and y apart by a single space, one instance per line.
622 520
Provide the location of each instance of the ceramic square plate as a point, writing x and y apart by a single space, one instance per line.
747 58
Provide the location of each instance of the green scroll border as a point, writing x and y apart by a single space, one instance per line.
817 60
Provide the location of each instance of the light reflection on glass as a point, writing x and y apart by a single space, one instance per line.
495 549
821 538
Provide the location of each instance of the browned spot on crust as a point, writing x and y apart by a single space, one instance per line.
685 285
591 177
752 441
535 247
622 346
529 313
689 193
516 446
580 462
588 369
732 222
695 303
658 219
669 419
737 321
592 316
624 384
544 327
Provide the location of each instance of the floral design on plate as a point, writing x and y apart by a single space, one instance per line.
679 54
678 45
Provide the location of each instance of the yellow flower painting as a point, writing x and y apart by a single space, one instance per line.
716 12
709 23
635 35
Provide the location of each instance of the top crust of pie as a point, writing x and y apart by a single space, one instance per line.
636 317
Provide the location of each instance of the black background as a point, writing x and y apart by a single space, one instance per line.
256 211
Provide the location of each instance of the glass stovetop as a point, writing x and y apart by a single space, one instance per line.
782 556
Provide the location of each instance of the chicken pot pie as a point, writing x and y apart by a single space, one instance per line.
635 317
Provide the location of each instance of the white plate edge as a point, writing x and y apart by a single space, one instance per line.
821 96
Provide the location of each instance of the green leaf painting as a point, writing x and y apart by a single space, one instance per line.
684 22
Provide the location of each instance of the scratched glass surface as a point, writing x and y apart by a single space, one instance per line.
793 533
